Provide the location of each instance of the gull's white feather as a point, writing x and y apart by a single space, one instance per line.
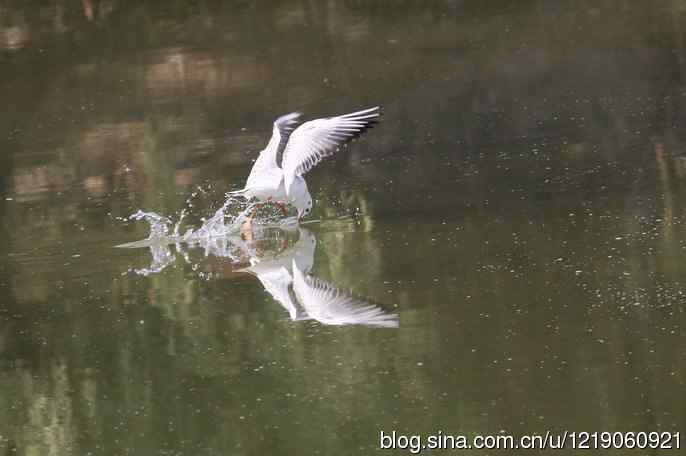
265 179
317 139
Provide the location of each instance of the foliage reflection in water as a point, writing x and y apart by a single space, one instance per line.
523 207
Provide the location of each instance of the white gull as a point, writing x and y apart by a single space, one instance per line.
277 174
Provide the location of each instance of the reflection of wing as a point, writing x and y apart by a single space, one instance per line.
276 282
331 306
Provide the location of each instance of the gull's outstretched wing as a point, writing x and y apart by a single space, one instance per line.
312 141
266 163
331 306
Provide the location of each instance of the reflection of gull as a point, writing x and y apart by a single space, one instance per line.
331 306
285 278
301 149
275 274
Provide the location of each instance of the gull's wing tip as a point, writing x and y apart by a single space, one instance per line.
367 118
394 323
287 119
367 113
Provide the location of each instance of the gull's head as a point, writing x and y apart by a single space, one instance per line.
304 207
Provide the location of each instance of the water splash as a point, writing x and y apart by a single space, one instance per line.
218 235
159 225
162 257
267 251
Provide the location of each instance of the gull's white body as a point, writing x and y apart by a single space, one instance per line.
301 148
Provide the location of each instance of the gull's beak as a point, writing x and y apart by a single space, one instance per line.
301 214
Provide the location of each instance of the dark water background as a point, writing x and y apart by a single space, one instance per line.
520 207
